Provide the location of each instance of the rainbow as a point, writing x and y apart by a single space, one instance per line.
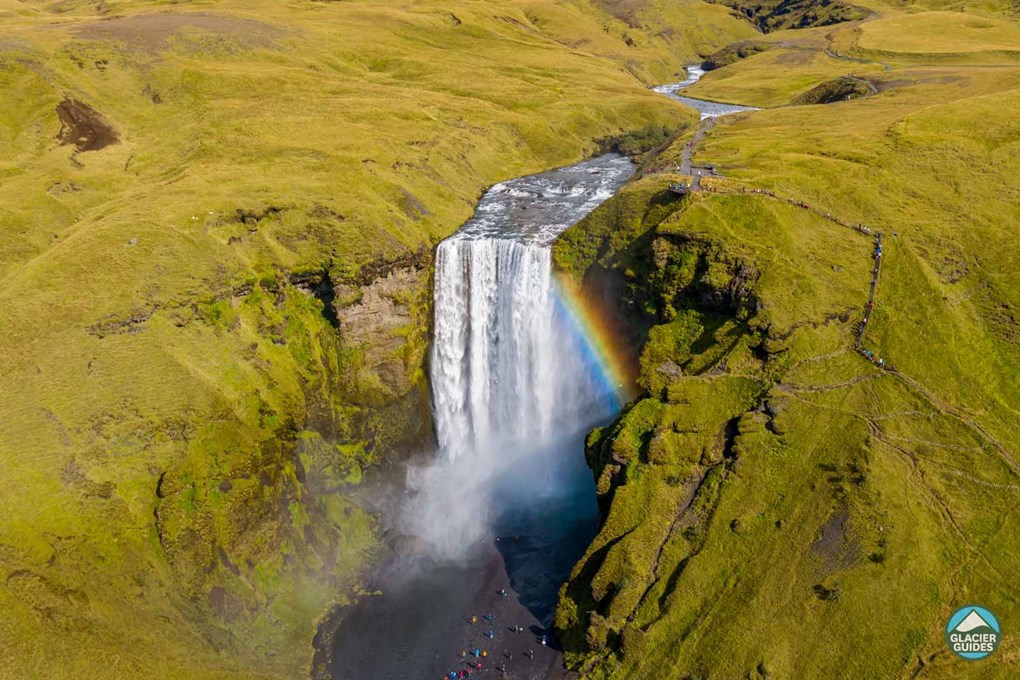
602 344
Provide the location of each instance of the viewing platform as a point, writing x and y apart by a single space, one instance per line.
684 186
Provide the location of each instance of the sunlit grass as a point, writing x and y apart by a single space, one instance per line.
852 499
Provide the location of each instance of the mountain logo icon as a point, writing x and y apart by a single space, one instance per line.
973 632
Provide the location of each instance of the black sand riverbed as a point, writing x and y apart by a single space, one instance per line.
420 626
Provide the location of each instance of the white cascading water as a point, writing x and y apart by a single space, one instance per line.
510 377
495 370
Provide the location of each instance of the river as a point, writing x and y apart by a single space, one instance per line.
707 109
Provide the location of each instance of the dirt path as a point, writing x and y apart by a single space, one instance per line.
860 348
959 415
686 158
842 57
830 388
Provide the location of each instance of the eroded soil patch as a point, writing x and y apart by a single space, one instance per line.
84 127
155 31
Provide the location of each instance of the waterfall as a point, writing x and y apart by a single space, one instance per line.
509 378
496 369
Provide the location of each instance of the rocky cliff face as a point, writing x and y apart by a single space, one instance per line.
660 469
384 318
275 511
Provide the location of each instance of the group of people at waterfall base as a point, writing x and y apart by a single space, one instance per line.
475 665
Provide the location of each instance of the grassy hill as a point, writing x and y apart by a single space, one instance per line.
215 232
215 221
777 505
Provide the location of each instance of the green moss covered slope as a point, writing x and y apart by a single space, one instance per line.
776 504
